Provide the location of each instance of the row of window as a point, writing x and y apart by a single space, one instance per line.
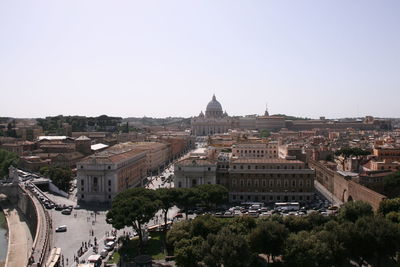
272 175
271 183
270 198
272 167
256 151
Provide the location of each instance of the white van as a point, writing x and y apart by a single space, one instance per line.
110 245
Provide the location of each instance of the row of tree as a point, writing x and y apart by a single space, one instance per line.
135 207
355 236
79 123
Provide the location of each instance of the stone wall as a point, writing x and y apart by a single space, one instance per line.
344 188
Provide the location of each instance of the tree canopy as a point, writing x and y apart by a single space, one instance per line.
6 160
134 207
391 185
60 176
351 151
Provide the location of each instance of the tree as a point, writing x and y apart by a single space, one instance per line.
134 207
167 197
269 237
205 225
306 249
348 152
186 198
60 176
264 134
373 238
188 252
7 159
389 205
242 225
391 185
178 231
353 210
226 249
212 194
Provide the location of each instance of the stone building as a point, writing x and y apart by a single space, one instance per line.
214 121
270 180
195 171
101 176
268 150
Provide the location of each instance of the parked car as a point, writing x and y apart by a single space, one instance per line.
104 253
179 215
62 228
66 211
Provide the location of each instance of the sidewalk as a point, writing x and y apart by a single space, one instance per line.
328 195
20 239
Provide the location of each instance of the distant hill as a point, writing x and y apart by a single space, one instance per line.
148 121
293 118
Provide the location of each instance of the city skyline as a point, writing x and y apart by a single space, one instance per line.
157 59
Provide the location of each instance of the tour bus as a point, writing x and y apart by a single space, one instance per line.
288 206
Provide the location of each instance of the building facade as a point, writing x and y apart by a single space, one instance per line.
270 180
101 176
194 171
267 150
214 121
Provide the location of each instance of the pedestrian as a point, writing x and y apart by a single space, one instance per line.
67 261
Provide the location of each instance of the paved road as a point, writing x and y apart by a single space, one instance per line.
20 239
81 222
328 195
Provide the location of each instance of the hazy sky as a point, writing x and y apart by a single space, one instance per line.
167 58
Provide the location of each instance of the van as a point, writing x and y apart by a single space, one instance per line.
109 239
110 245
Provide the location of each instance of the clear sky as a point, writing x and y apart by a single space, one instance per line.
166 58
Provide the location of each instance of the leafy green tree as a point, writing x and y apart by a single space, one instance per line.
186 198
306 249
60 176
379 236
188 252
7 159
178 231
265 134
212 195
296 223
389 205
134 207
269 237
167 197
393 216
242 225
391 185
348 152
353 210
205 225
226 249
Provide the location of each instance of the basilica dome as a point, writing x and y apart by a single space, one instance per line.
214 109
